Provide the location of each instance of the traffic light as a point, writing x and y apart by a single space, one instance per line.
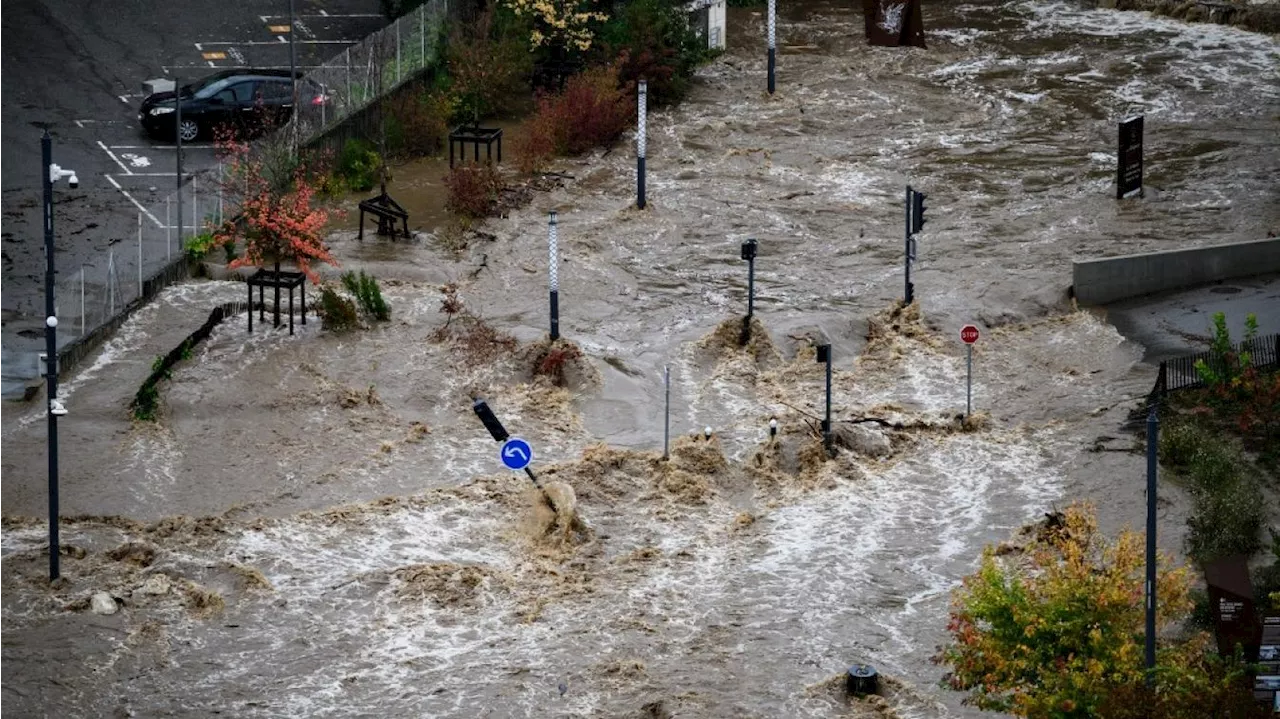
749 250
917 211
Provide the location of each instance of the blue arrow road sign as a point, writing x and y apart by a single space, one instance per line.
516 453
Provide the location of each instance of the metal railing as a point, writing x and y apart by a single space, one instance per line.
1180 373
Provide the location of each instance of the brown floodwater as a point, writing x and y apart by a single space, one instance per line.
374 559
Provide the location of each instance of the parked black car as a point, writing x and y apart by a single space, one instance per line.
243 101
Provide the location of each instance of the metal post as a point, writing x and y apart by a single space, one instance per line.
168 231
139 254
773 9
968 385
351 98
826 425
397 52
554 274
220 181
195 207
1153 441
177 84
81 300
666 421
422 31
642 116
51 350
749 254
906 292
111 282
293 82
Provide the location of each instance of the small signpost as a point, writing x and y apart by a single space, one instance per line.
824 357
1129 159
969 336
516 453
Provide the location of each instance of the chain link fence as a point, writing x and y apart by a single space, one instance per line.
371 69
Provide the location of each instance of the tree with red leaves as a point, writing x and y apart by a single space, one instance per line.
273 214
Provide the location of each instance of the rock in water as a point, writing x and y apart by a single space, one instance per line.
103 603
156 585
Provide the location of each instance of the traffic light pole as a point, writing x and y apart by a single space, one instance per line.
907 292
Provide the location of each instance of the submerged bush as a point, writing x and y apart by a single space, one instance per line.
1227 521
473 189
337 313
358 165
591 111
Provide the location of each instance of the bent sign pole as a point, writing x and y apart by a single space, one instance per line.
515 453
968 335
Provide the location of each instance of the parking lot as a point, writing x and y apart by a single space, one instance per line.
78 67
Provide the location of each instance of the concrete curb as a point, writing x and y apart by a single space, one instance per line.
1096 282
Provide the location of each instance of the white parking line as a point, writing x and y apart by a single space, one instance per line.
112 155
269 18
136 204
185 146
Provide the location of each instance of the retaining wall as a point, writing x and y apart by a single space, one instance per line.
1111 279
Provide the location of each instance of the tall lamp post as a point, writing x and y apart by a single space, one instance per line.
50 174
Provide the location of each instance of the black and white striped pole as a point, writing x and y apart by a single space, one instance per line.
824 355
773 57
642 116
666 420
553 252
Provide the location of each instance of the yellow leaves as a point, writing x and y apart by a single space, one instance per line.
564 23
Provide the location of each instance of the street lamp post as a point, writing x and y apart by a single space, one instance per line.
52 173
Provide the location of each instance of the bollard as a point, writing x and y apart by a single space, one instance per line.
773 427
1153 463
861 680
642 113
554 276
139 254
666 422
706 433
168 231
749 254
773 11
824 355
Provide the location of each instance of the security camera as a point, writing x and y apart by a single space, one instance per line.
56 409
73 182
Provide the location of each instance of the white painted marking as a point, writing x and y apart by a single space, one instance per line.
135 160
112 155
185 146
211 63
302 28
324 14
136 204
239 56
281 38
153 174
200 46
79 123
123 99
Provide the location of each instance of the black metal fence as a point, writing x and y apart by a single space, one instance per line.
1181 373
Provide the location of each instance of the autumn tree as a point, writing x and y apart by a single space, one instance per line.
273 214
1056 629
567 24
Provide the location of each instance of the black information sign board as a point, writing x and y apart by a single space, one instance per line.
1231 598
1129 172
893 23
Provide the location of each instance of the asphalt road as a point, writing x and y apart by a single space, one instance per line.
78 66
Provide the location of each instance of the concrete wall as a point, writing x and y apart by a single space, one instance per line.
1116 278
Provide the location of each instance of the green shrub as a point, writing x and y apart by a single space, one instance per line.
337 313
1214 466
199 247
1179 444
1226 521
358 165
368 295
653 39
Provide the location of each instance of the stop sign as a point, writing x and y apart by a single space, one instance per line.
969 334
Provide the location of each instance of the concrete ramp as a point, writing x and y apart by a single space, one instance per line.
1100 281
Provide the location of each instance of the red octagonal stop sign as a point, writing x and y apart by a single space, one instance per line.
969 334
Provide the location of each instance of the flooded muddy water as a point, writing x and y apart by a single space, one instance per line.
359 550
